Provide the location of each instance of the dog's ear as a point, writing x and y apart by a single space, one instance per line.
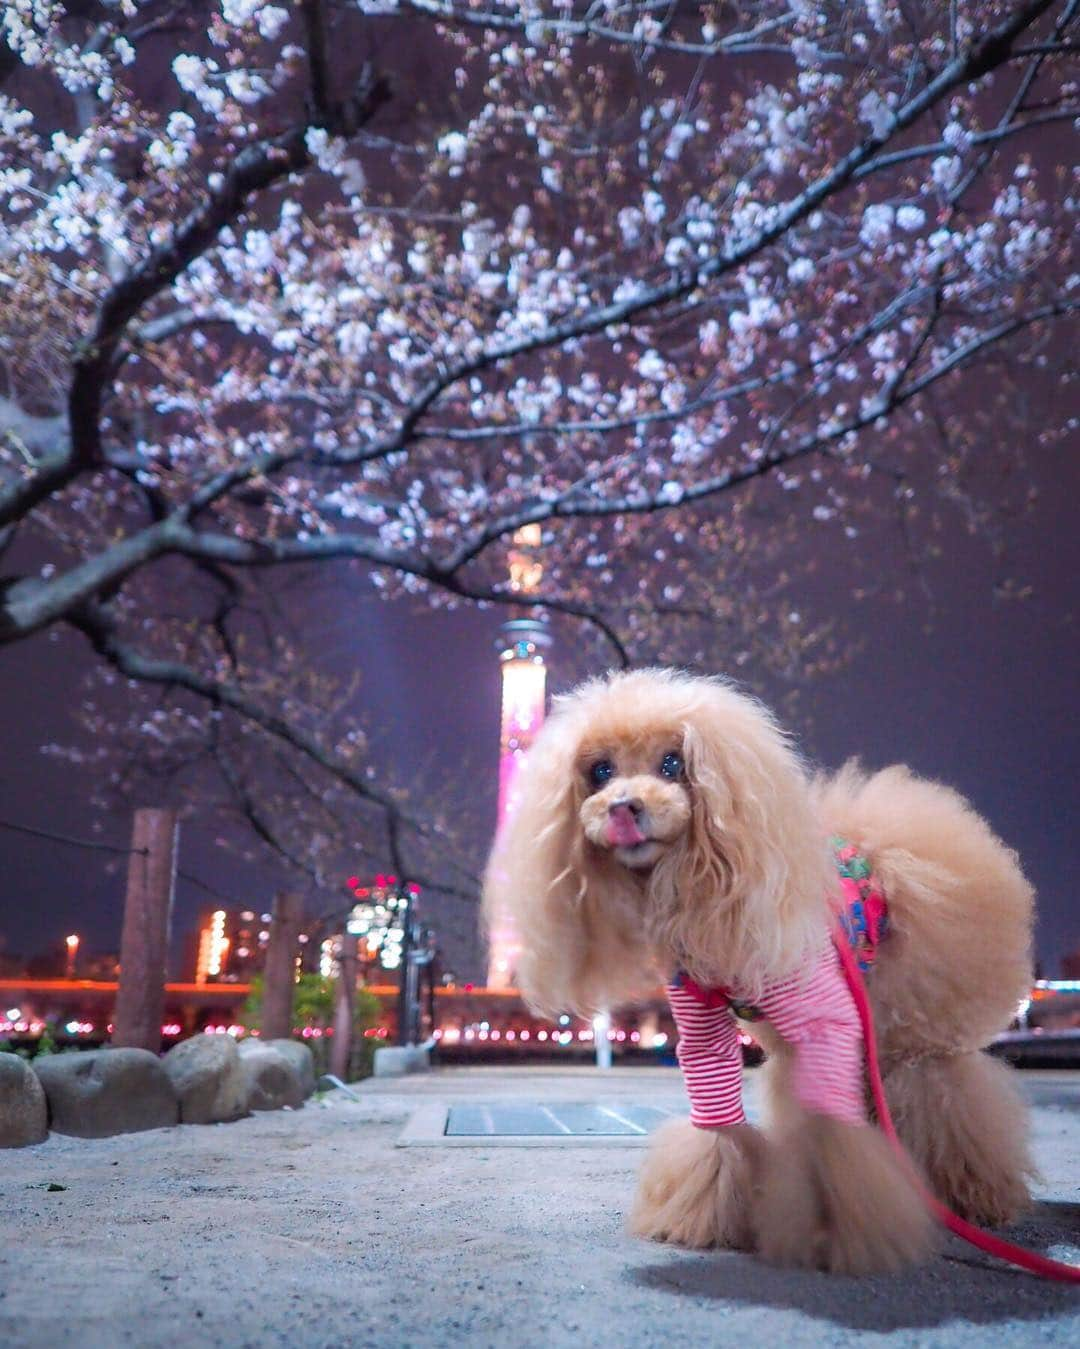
741 897
553 898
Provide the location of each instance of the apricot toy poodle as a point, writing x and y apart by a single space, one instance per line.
666 831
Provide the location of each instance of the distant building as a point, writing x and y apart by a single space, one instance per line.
231 946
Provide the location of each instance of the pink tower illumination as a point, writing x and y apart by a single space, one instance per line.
524 684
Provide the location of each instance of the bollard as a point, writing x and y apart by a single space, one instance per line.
601 1025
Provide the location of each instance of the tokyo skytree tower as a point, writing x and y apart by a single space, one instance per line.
521 646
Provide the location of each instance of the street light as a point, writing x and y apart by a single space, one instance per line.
72 944
385 924
380 919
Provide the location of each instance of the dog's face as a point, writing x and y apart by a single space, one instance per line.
636 796
663 822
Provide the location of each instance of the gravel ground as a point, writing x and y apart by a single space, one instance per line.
314 1229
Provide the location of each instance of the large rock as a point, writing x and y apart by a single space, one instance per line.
400 1060
107 1091
207 1078
301 1058
272 1081
24 1116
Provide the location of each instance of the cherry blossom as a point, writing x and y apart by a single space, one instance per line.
382 282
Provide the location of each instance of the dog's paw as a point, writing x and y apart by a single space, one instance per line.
696 1186
788 1215
836 1197
876 1217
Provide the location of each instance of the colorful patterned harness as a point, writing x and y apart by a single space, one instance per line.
864 920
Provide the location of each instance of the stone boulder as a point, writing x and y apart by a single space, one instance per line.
272 1081
400 1060
24 1116
301 1058
107 1091
207 1078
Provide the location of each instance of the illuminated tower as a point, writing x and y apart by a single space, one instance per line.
521 645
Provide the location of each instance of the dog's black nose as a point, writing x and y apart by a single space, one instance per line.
630 803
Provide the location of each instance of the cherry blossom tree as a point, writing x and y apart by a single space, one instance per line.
381 282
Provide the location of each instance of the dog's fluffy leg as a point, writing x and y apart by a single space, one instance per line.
696 1186
965 1123
835 1197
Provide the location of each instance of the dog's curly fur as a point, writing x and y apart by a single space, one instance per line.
733 884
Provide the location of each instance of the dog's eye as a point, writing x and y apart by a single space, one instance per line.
671 765
600 772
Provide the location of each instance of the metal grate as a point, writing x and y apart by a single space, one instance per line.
533 1120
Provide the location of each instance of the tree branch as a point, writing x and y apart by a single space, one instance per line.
31 604
749 41
785 375
992 137
647 503
255 818
253 170
990 51
96 624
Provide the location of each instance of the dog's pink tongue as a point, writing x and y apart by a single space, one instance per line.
622 828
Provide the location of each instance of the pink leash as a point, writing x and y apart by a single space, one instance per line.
985 1241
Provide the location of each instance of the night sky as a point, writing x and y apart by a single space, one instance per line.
965 686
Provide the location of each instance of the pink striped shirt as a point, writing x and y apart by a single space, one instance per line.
814 1012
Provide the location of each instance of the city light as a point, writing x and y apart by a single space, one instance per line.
526 569
378 918
476 1022
213 947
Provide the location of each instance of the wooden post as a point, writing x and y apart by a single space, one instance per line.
344 1001
279 972
144 940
